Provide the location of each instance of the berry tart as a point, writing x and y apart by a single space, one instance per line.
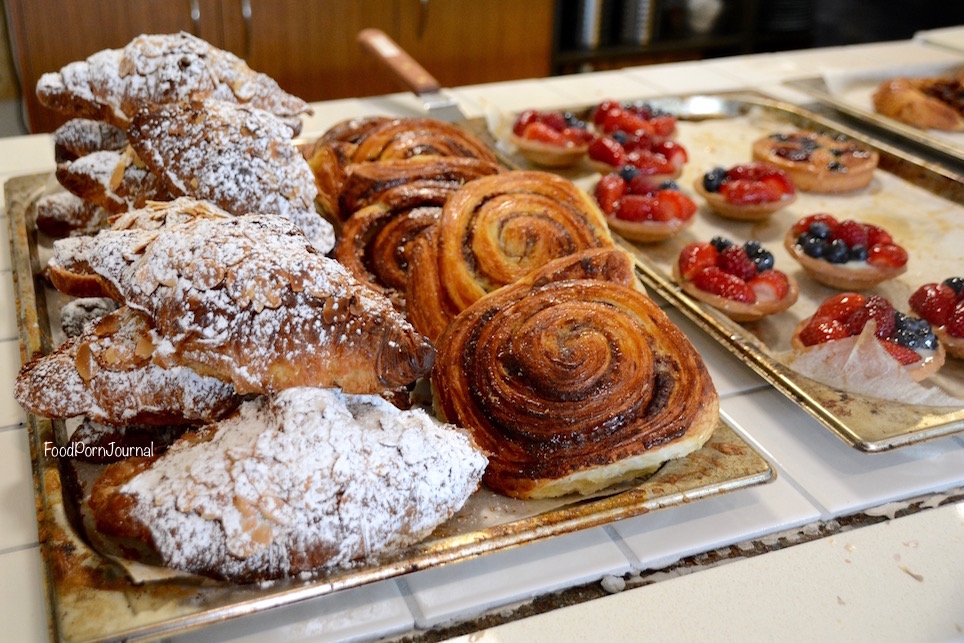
738 280
848 254
818 162
638 117
909 340
942 306
641 210
551 139
746 192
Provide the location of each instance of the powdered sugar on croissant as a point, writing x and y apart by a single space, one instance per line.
291 482
247 299
107 374
114 84
237 157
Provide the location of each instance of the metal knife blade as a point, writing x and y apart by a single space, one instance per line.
411 74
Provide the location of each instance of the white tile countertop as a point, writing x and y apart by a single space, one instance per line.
842 545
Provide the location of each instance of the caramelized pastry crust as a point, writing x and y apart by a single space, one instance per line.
115 84
497 229
107 373
250 301
293 482
63 213
572 386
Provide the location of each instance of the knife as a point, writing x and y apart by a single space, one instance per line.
412 75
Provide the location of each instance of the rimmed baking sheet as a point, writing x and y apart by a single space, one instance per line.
919 202
90 597
851 92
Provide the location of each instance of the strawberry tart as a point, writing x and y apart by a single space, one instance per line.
641 210
738 280
942 306
848 254
746 192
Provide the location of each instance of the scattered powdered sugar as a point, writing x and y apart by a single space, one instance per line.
107 374
247 298
158 69
304 478
77 313
237 157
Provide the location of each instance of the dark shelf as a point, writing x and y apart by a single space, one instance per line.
622 52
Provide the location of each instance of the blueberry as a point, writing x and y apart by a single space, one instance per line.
574 121
752 247
955 283
628 172
763 260
812 246
620 137
720 243
835 166
837 252
782 138
714 178
906 338
902 321
858 253
668 184
928 341
819 230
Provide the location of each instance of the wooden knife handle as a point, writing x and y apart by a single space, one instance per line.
404 67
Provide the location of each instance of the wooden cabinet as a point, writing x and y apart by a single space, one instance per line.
308 46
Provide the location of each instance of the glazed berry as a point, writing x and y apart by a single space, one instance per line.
820 230
879 310
761 257
713 179
956 284
858 253
735 261
721 243
812 246
955 325
695 257
669 184
716 281
853 233
934 302
628 172
837 252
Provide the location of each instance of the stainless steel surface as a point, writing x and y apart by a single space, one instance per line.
90 596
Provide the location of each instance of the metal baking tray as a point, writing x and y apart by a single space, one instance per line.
918 201
91 597
850 95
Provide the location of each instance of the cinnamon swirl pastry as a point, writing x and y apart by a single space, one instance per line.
497 229
405 182
356 160
376 241
572 385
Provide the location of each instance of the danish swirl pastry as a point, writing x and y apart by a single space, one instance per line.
115 84
498 228
248 300
572 385
296 481
107 374
924 103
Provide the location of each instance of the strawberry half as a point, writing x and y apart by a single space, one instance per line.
695 257
609 190
771 285
715 281
934 302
